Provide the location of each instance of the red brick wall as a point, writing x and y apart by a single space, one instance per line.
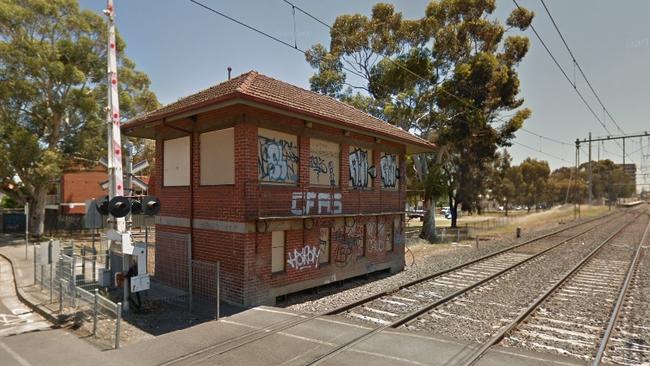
246 257
77 187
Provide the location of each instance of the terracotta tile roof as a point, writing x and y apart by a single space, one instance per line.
263 89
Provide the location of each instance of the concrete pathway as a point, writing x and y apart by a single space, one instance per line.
26 338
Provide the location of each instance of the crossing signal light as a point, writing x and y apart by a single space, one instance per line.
102 206
136 207
150 205
119 206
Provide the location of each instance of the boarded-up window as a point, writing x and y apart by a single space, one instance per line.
176 162
389 170
387 229
324 160
277 157
324 240
277 251
218 157
361 169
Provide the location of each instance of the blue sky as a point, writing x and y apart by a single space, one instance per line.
184 48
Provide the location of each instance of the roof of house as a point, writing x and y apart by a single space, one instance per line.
275 93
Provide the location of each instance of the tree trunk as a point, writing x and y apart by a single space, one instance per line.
454 214
505 207
37 212
429 226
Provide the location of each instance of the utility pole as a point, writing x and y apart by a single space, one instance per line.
590 175
575 202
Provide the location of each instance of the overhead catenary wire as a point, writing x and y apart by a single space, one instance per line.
294 46
566 76
398 64
577 64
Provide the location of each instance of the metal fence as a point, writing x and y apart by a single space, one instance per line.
72 288
198 281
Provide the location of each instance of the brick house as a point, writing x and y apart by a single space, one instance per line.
77 184
287 188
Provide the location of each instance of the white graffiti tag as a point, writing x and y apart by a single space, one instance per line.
305 258
304 203
389 170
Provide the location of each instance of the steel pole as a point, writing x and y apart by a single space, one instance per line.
590 173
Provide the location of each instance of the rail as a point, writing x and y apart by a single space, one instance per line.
619 301
258 334
476 356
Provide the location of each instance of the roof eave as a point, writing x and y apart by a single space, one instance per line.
144 127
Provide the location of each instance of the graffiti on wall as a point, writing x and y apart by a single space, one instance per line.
323 170
349 243
305 258
361 171
305 203
324 162
389 170
277 160
375 244
398 231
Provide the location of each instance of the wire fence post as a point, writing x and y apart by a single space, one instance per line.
189 269
218 289
73 279
95 313
118 319
60 284
52 281
94 255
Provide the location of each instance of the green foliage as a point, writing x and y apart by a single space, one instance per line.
535 174
53 92
449 74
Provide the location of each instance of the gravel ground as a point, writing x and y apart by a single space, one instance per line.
570 322
630 342
422 260
481 312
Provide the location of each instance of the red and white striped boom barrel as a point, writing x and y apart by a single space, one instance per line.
116 184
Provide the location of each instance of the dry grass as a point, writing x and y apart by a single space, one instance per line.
544 219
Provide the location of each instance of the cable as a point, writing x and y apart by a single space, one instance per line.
294 47
424 79
546 138
568 78
543 152
580 68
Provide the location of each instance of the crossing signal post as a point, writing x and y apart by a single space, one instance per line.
117 205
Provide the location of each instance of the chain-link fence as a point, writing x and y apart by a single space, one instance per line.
198 281
69 280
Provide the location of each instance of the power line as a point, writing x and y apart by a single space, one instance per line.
542 152
293 47
546 138
582 98
580 68
294 6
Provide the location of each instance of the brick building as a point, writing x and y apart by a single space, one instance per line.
77 184
287 188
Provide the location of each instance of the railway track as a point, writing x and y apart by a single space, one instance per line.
575 316
400 305
627 338
459 299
